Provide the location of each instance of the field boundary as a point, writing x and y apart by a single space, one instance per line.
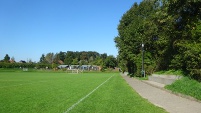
70 108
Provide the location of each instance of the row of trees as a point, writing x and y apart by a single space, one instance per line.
52 60
170 31
80 58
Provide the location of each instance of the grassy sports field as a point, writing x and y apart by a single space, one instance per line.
34 92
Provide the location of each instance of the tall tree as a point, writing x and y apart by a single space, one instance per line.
42 59
110 62
7 58
75 61
61 56
49 57
186 38
56 58
170 32
104 56
84 56
69 57
132 33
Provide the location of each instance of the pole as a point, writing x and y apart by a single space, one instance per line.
143 72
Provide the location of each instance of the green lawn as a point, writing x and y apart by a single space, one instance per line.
34 92
186 86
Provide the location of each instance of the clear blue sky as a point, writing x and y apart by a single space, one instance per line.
30 28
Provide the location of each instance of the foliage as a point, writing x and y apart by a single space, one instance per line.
170 72
110 62
17 65
42 59
186 86
52 60
171 33
135 28
188 43
6 58
49 57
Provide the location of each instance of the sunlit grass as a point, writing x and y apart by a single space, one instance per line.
186 86
170 72
34 92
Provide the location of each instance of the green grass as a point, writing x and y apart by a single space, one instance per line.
10 70
170 72
34 92
186 86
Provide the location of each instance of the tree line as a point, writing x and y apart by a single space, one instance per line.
171 33
52 60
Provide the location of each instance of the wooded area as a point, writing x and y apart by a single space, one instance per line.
52 60
171 33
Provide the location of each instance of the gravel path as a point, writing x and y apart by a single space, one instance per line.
170 102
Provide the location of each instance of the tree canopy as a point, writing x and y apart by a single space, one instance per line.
52 60
7 58
170 31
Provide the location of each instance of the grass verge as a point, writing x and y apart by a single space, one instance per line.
186 86
170 72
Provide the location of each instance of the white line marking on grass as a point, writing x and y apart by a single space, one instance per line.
70 108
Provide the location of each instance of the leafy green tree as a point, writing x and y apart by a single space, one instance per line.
61 55
7 58
69 58
132 33
170 31
84 56
103 56
83 62
75 61
98 61
186 38
42 59
110 62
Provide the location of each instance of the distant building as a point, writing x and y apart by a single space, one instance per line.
22 61
74 67
63 66
60 62
82 67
